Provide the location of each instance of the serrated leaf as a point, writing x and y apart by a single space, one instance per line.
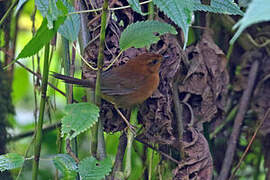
49 10
257 11
179 11
10 161
42 37
71 27
218 6
141 34
226 7
20 3
92 169
79 117
135 5
52 10
66 165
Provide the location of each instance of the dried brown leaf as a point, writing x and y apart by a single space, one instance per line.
197 163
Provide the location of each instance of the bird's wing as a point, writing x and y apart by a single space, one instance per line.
121 83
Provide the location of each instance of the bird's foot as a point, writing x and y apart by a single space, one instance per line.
131 127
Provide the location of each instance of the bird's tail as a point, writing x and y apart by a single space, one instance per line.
72 80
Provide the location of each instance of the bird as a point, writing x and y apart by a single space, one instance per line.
126 85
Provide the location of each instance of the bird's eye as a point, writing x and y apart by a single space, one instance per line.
154 61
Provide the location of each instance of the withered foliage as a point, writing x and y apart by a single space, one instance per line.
198 162
203 91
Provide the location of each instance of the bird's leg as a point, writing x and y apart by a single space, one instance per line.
132 128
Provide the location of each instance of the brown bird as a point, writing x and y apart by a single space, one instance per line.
128 84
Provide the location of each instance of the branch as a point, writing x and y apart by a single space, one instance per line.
38 137
31 133
249 144
101 151
243 107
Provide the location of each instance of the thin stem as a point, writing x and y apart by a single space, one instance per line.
115 59
150 164
228 119
84 38
151 11
243 107
110 9
250 143
39 76
229 53
71 147
178 108
25 157
38 138
66 55
117 167
130 138
101 151
84 60
8 11
125 119
31 133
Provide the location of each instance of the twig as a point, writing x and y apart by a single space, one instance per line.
110 9
115 59
228 119
256 44
25 157
130 139
84 60
8 11
39 76
70 152
249 144
226 166
125 119
31 133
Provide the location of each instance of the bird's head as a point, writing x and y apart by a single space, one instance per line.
148 61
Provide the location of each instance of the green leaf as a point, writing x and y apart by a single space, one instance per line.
42 37
257 11
135 5
181 11
141 34
49 10
218 6
71 27
10 161
79 117
92 169
52 10
66 165
226 7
